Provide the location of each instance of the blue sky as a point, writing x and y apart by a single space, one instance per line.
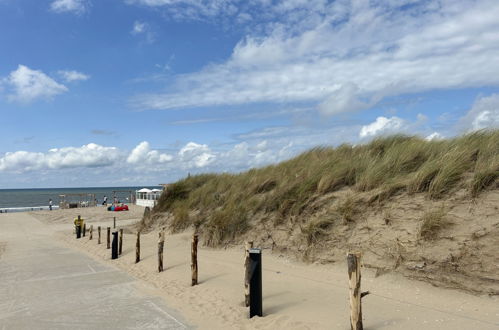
140 92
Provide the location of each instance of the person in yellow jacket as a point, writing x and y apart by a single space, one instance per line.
79 222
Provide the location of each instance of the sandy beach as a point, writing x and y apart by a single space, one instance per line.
295 295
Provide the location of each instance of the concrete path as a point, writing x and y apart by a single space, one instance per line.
44 285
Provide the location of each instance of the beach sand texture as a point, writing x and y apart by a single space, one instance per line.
295 295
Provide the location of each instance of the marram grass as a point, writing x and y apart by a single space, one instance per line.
387 166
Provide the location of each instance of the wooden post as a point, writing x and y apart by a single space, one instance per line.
161 244
84 229
98 231
248 245
137 248
120 248
108 237
114 222
194 260
91 232
353 262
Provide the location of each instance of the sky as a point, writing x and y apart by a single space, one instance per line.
142 92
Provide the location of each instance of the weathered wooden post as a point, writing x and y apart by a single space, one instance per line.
121 242
108 237
353 263
114 222
84 229
137 248
161 244
98 232
248 245
194 260
91 232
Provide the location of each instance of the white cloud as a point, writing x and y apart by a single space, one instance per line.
72 75
484 113
139 27
143 28
345 99
143 155
27 85
196 155
72 6
434 136
89 155
382 125
344 55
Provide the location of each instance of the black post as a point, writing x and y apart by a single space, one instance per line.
84 229
114 250
255 282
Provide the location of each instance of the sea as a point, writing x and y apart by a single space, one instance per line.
17 200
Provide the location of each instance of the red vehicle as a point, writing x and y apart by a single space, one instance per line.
122 207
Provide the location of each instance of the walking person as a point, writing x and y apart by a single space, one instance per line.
50 204
105 200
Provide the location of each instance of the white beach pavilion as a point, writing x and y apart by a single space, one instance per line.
147 197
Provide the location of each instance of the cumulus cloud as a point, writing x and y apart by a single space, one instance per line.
26 85
196 155
484 113
382 125
434 136
342 55
142 154
71 75
89 155
71 6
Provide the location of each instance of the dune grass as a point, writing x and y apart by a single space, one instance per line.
386 167
432 222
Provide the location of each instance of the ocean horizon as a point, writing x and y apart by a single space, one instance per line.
39 197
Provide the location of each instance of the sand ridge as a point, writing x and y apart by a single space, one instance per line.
296 295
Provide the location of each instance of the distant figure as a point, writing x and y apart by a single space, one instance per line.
50 204
105 200
115 200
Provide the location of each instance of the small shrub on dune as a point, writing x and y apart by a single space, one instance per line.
316 229
451 170
176 192
423 178
226 224
482 180
348 209
387 191
486 170
181 219
265 186
431 223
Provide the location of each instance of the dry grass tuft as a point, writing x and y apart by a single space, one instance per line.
316 230
431 223
348 209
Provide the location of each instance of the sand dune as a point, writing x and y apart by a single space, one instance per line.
295 295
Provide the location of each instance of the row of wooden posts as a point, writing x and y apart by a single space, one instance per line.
161 242
353 264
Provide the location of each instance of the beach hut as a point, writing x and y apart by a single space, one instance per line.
147 197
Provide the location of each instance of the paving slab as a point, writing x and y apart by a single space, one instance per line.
45 285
